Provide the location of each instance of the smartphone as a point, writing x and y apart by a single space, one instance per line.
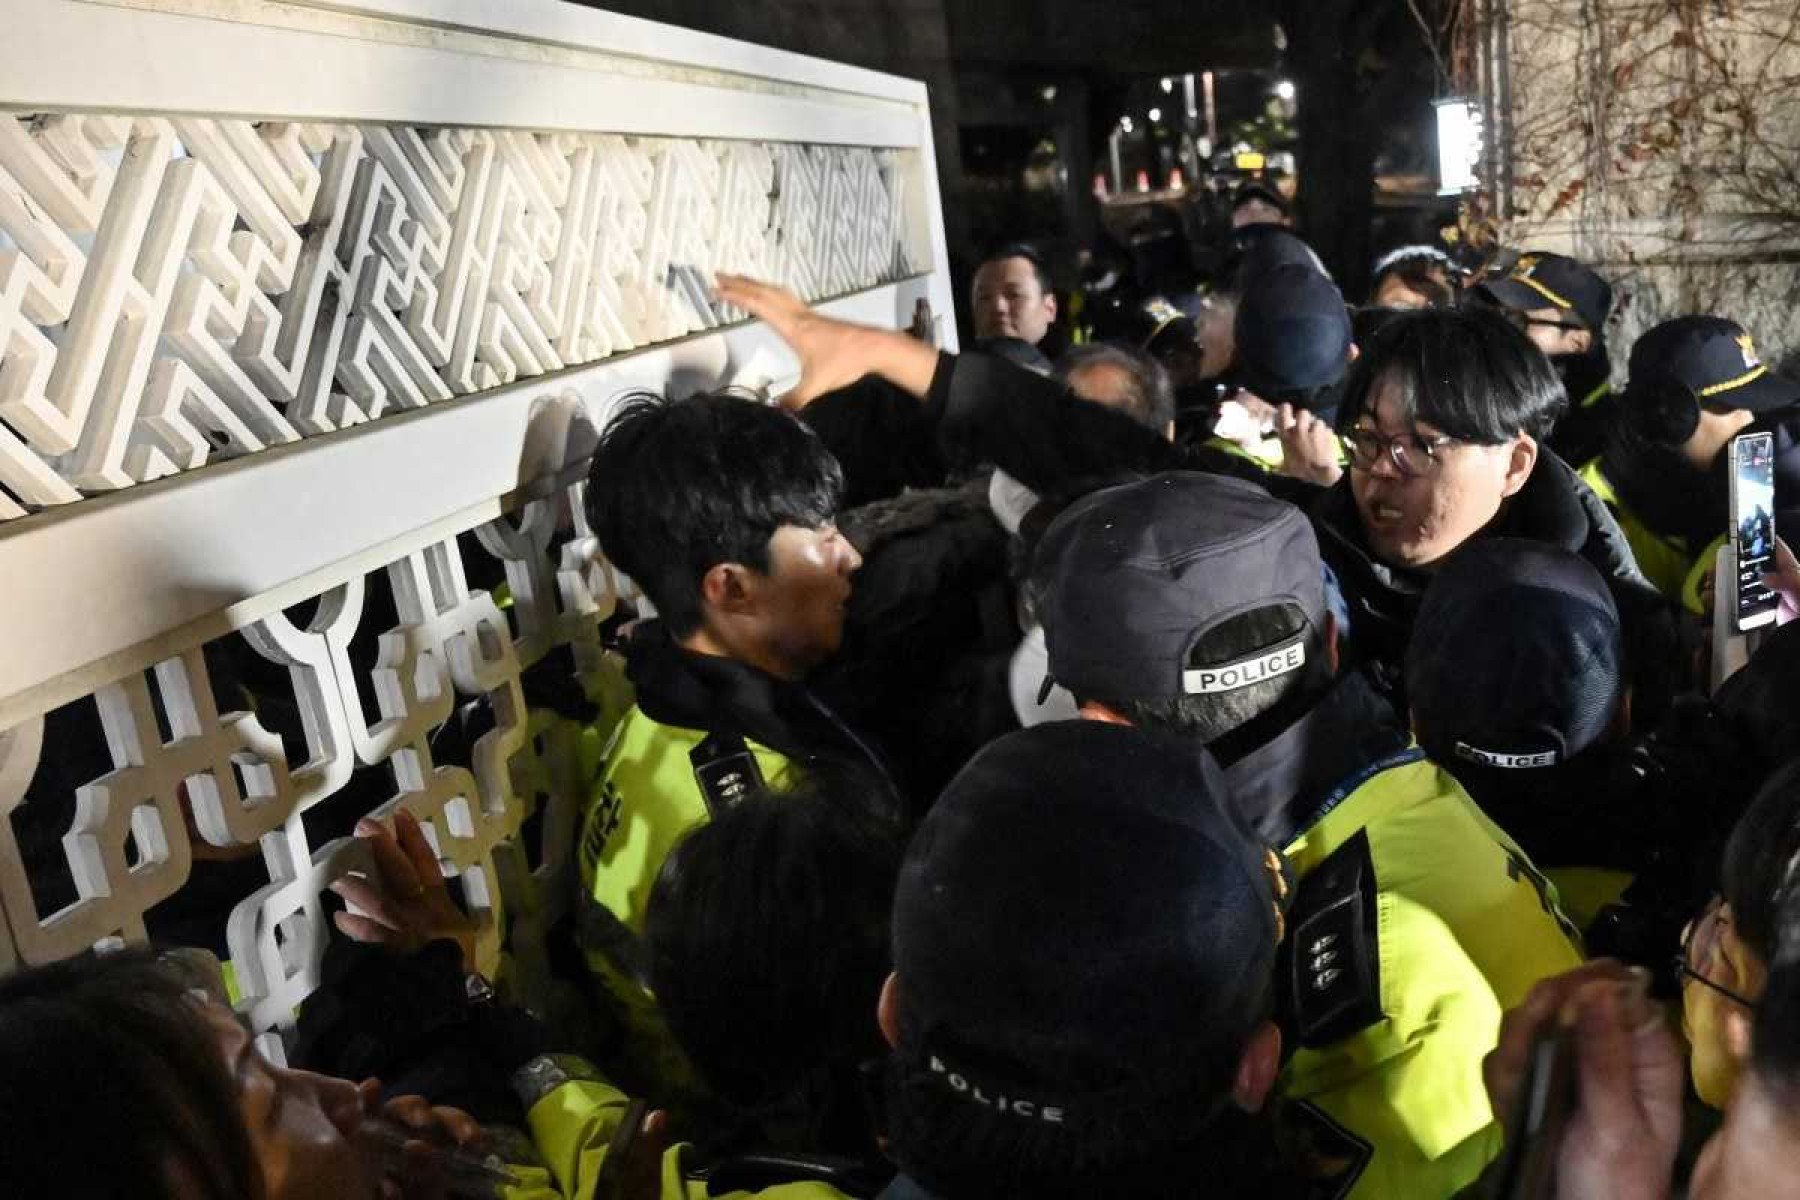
1753 526
1527 1166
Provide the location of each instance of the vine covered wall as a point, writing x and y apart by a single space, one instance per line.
1660 141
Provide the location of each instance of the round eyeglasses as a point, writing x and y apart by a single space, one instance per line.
1698 941
1412 453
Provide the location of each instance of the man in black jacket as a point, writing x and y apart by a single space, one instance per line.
1443 420
1458 398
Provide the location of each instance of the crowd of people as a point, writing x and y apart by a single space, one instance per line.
1269 750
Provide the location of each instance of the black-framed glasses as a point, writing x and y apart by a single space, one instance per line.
1412 453
1522 320
1701 937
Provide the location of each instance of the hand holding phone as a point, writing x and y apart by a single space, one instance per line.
1587 1080
1753 527
1784 581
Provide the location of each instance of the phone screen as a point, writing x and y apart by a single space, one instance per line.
1753 525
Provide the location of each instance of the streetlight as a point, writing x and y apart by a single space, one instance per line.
1285 89
1155 115
1461 141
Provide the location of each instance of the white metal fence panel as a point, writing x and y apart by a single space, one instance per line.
308 315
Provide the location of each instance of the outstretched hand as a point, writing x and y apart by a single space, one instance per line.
833 353
405 904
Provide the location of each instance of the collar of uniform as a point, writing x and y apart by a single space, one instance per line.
1546 508
1278 786
1352 805
675 686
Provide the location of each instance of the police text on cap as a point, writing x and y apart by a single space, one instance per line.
1258 668
1031 1110
1504 761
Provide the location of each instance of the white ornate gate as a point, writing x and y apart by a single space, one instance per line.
308 311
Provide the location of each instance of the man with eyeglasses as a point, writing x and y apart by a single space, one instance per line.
1728 948
1443 413
1740 1012
1562 306
1444 417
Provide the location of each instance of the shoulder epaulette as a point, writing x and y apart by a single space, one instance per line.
1330 975
725 770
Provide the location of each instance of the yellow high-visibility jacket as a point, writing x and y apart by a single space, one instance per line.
646 799
574 1115
1417 924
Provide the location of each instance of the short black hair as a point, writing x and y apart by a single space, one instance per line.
675 488
115 1083
1024 250
1211 717
1775 1040
1759 861
768 934
1467 371
1151 398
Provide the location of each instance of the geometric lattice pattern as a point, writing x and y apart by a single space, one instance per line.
373 685
174 291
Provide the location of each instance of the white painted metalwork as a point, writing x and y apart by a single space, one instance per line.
308 315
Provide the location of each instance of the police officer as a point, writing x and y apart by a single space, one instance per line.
1562 306
1194 605
412 1014
1293 349
1695 383
1084 943
1445 410
721 509
1516 678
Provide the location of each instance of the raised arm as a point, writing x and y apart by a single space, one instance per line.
987 408
833 353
